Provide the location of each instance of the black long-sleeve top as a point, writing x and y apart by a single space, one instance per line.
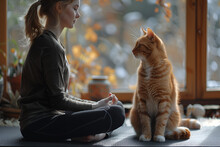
44 82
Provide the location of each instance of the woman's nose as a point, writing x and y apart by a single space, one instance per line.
77 15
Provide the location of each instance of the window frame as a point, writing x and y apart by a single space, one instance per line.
196 45
196 56
202 6
3 39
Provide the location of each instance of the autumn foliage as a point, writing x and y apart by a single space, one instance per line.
82 59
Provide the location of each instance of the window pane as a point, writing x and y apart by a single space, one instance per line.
102 41
17 45
104 36
213 45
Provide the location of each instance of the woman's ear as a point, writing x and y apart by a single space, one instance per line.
58 7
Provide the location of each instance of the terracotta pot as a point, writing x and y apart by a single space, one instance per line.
11 112
15 83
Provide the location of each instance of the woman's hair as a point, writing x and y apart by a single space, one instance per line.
33 25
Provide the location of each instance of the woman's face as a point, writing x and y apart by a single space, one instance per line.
69 14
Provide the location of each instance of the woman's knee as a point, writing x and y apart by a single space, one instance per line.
117 114
120 104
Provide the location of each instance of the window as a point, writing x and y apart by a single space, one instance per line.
213 45
16 42
102 41
106 33
207 87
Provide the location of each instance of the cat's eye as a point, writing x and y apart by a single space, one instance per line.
143 52
142 46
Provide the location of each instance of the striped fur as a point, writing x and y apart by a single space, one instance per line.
190 123
155 113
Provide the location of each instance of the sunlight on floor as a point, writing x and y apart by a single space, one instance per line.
209 122
206 122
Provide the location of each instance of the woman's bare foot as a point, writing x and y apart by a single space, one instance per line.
90 138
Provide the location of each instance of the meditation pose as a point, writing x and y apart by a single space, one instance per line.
48 112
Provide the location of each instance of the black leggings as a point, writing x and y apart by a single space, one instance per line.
76 124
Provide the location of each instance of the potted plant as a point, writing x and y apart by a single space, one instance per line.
9 107
15 68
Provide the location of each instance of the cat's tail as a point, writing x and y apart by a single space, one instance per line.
190 123
178 133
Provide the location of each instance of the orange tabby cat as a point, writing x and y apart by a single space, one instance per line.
155 113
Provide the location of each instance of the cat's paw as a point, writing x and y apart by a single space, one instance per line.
159 138
143 138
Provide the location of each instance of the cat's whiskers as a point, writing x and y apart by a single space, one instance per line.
134 37
134 34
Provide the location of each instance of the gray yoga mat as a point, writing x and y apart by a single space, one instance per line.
124 136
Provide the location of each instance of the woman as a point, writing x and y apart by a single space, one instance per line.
47 110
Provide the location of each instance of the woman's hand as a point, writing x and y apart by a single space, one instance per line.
114 99
111 100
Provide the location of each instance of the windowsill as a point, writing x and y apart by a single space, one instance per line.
125 97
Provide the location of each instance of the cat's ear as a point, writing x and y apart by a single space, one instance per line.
150 34
144 31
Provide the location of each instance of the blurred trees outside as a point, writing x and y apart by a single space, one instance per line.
103 37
